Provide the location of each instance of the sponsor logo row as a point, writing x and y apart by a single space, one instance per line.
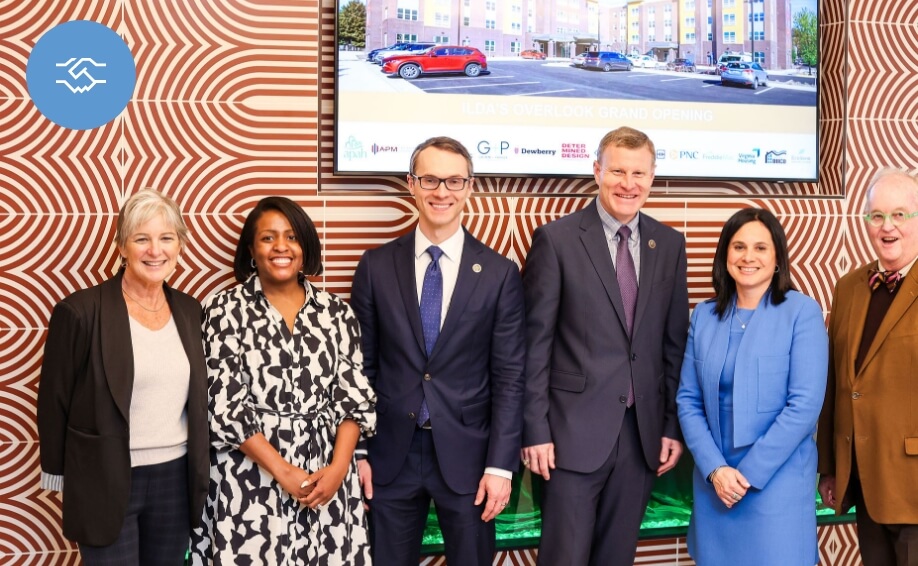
749 157
355 149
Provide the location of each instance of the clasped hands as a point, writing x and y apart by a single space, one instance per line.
313 490
730 485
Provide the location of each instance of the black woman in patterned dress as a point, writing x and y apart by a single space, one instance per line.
288 401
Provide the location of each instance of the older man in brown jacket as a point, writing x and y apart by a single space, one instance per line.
868 431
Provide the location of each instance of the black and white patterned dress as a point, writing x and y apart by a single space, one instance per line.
295 389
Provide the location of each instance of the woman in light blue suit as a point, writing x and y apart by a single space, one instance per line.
753 383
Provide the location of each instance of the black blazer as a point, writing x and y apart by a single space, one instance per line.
84 397
473 379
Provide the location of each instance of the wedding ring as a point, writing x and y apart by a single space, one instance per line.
525 463
735 496
503 504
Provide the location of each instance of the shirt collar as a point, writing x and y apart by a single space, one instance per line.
452 246
253 286
904 271
612 224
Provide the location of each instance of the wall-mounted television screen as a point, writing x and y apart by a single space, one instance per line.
727 89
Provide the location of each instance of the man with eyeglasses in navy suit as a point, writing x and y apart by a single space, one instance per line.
442 319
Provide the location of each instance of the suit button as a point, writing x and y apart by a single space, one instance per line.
623 399
633 357
427 377
855 395
412 416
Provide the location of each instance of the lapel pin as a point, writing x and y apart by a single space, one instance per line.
476 268
651 244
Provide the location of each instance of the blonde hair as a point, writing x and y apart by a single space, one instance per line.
144 205
628 138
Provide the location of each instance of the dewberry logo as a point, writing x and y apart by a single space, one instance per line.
81 75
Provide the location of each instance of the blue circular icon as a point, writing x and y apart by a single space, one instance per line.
81 75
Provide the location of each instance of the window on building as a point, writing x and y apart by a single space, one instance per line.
651 37
407 14
729 37
490 24
690 37
690 22
668 37
489 46
406 37
759 57
729 19
758 36
729 3
465 21
516 26
441 39
515 46
635 38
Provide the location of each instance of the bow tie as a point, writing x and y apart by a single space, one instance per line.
888 278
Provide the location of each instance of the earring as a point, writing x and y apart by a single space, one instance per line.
254 265
123 263
777 269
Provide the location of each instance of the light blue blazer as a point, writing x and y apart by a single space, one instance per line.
779 384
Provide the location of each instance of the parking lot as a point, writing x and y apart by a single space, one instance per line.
557 78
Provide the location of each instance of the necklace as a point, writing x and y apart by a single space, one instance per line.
139 304
742 322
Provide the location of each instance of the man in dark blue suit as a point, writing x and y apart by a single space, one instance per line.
442 318
607 319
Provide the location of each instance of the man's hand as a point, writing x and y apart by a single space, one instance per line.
827 490
365 474
669 455
497 490
539 458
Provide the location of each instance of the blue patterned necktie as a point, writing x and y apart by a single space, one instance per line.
431 311
627 282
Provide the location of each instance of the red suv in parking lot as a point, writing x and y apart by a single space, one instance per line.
439 59
532 54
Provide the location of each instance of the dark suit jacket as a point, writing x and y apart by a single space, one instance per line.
473 379
876 408
579 359
83 401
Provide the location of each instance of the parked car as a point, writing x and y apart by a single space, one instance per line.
532 54
607 61
681 65
405 48
645 62
577 60
747 74
439 59
371 55
728 58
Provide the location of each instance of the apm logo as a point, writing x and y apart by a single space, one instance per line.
81 75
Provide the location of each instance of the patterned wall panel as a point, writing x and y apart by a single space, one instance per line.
235 101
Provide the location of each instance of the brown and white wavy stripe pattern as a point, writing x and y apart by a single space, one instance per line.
235 101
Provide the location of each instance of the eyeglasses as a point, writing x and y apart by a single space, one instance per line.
896 217
431 183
